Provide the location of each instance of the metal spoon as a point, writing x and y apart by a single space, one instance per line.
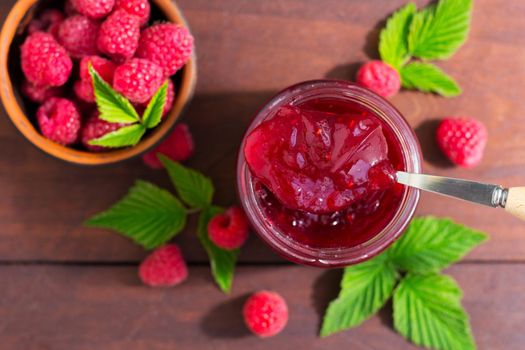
512 199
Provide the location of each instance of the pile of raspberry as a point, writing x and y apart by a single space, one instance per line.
112 35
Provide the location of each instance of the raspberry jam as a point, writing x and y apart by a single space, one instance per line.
320 157
317 173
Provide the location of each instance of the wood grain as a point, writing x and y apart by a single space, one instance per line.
247 51
77 308
515 204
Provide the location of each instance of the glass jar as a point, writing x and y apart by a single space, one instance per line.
333 256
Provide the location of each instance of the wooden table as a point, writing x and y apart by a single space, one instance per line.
64 286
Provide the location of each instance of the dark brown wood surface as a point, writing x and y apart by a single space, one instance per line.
84 307
68 287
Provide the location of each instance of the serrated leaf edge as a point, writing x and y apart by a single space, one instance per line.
140 185
155 107
466 318
169 164
129 111
400 61
141 130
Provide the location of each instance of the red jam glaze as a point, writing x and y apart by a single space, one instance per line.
324 172
317 161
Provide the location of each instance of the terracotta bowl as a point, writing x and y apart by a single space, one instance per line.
23 117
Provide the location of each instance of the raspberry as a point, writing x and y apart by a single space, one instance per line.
168 45
84 87
93 8
48 21
165 267
170 98
138 80
265 313
104 67
119 35
78 34
86 110
44 61
40 94
59 120
53 29
229 230
178 146
139 8
84 91
95 128
69 9
462 140
379 77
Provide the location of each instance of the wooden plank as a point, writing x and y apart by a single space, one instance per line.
247 51
70 308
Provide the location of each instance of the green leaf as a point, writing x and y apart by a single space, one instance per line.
431 244
222 261
125 136
113 107
428 78
439 30
364 290
428 312
148 214
153 114
193 188
393 46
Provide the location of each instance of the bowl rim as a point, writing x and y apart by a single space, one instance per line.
185 92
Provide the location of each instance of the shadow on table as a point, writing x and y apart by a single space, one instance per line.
385 314
370 48
218 122
225 321
326 289
371 45
426 133
344 71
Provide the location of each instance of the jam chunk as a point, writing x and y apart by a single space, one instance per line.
317 161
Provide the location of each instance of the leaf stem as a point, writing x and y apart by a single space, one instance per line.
193 211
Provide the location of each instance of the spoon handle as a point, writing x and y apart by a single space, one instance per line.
512 199
515 203
471 191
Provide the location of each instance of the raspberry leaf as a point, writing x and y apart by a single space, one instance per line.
222 261
125 136
440 29
113 107
393 46
428 78
148 214
428 312
153 114
427 307
193 188
431 244
364 290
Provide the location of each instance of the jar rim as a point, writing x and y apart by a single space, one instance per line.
333 257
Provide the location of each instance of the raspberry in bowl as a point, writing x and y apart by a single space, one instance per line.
316 173
46 48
